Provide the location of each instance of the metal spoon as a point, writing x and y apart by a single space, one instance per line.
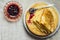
32 10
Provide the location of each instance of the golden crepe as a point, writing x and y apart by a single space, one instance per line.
48 17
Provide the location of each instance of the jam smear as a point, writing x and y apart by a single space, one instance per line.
31 15
13 10
31 10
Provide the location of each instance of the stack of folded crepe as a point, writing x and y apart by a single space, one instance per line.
44 21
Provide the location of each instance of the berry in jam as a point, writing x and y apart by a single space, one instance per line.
13 10
32 10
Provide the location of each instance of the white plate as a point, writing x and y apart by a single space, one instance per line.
32 33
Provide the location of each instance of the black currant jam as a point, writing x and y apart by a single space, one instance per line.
13 10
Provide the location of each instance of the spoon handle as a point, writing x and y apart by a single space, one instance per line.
44 6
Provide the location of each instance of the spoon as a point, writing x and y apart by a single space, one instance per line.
32 10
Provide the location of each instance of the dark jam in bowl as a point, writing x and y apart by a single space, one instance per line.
13 10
